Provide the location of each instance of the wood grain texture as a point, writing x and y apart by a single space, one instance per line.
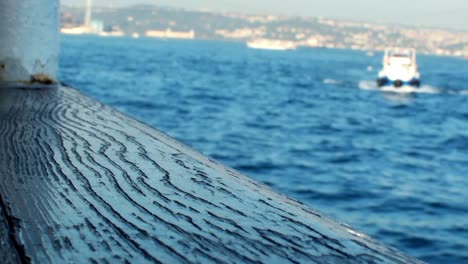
8 252
88 184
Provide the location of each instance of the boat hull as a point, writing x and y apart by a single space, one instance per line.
271 44
382 82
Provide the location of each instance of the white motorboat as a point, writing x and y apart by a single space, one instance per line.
270 44
399 68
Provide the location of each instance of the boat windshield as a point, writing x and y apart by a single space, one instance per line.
401 55
397 56
400 60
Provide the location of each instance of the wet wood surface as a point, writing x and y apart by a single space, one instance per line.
7 249
81 182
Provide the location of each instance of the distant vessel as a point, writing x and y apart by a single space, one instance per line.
399 68
269 44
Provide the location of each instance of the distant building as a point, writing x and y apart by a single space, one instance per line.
86 28
74 30
96 27
168 33
242 33
313 42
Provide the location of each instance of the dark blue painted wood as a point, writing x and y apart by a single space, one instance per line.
85 183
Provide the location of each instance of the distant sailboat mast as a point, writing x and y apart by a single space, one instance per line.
87 19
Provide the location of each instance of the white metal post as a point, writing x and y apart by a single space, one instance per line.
29 42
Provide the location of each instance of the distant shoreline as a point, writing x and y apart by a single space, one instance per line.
236 42
153 21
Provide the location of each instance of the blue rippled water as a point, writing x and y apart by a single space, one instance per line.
309 123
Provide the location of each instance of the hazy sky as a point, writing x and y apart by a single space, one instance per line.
438 13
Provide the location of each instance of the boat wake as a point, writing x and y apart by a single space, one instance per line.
330 81
372 85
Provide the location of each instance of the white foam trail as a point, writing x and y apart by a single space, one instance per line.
427 89
368 85
457 92
330 81
410 89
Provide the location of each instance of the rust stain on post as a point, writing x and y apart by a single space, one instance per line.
42 79
2 70
29 42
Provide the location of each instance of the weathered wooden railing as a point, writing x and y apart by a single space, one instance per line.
80 182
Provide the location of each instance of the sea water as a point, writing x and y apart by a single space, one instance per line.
310 123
